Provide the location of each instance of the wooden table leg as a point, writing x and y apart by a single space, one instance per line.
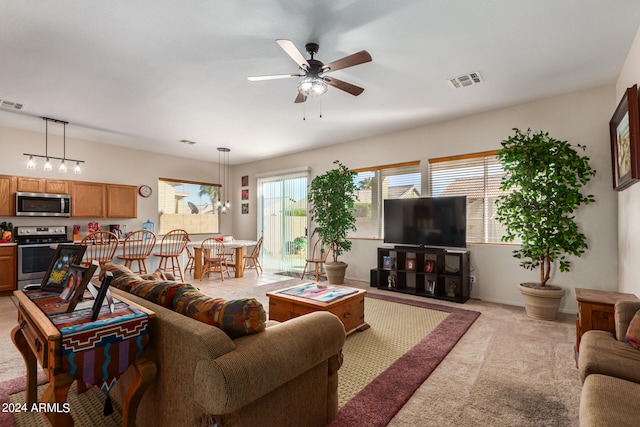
240 253
29 360
197 262
145 372
55 395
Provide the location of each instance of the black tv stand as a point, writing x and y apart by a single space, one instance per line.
428 272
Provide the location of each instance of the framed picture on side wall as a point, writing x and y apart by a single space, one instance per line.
624 130
245 208
245 181
245 194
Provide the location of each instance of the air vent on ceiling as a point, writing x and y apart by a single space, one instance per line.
466 80
186 141
11 105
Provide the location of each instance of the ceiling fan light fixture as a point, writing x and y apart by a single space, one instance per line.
312 86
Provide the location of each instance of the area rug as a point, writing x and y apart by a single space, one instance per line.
378 402
310 276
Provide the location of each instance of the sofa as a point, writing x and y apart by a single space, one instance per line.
610 370
271 374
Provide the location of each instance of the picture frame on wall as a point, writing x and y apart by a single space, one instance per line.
245 181
624 130
245 194
245 208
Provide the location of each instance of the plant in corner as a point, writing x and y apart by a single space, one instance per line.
543 180
332 196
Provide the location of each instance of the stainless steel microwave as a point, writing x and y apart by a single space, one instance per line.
41 204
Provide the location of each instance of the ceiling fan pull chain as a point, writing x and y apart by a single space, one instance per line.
320 107
304 112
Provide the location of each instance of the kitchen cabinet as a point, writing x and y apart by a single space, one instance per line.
7 196
8 268
88 199
42 185
122 201
30 185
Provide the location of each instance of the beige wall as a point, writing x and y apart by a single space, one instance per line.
580 117
104 163
629 199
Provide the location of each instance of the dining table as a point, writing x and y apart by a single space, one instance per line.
240 247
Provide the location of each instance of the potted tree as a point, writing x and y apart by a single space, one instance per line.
544 178
332 197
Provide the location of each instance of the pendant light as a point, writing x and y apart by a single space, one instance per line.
31 164
223 206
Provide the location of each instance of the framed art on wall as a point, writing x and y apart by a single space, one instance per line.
245 208
245 181
245 194
624 129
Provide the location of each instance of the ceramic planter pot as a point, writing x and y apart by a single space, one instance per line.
541 303
335 272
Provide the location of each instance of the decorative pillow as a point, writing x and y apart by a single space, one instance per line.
161 293
235 317
123 278
633 331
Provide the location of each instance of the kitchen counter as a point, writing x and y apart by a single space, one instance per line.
8 244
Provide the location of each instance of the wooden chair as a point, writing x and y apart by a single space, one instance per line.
191 259
255 254
101 247
318 258
137 247
171 247
214 258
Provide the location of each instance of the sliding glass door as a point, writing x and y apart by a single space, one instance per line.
282 219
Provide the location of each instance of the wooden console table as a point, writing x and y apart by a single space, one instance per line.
349 308
596 311
37 337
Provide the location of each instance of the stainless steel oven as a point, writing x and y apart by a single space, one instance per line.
36 247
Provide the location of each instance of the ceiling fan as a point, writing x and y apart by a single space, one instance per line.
315 79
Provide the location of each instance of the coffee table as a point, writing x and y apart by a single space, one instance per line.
349 308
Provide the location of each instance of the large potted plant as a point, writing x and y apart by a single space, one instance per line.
332 197
543 181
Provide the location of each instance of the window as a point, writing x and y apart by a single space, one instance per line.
187 205
477 176
376 184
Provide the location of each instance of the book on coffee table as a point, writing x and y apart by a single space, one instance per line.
321 294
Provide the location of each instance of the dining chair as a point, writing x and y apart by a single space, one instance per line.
255 254
214 258
191 260
171 247
101 247
137 247
318 257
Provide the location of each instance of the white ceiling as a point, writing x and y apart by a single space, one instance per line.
147 73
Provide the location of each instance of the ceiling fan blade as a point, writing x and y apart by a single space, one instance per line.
291 50
300 98
347 87
273 77
348 61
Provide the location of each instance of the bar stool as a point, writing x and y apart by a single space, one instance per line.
101 246
171 247
137 247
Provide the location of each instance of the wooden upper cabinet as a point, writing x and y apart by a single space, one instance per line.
122 201
42 185
55 186
88 199
30 185
7 196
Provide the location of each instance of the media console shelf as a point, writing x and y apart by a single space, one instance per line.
427 272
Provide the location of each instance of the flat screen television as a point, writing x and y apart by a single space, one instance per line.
426 221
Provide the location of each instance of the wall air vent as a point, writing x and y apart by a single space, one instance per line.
465 80
11 105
